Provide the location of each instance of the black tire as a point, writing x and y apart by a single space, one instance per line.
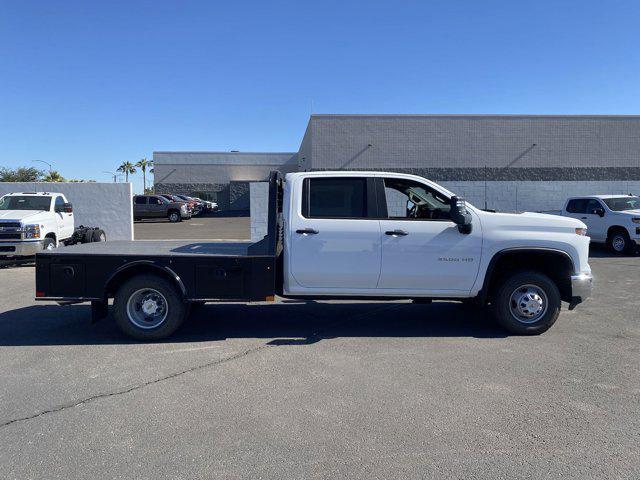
140 286
619 242
48 244
136 219
99 236
87 237
174 216
524 286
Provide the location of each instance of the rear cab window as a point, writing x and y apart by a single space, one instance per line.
141 200
337 197
577 205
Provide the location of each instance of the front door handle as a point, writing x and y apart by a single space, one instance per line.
307 230
396 233
583 218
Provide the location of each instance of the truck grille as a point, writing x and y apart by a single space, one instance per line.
10 236
10 224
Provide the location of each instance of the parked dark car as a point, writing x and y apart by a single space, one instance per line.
156 206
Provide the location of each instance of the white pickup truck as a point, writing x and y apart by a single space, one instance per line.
610 219
339 235
31 222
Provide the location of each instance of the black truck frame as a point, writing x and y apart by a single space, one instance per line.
200 271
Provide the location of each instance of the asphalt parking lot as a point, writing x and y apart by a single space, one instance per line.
323 390
206 227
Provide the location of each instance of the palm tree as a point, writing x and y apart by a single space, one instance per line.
53 176
127 168
143 164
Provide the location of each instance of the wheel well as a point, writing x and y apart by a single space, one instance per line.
52 236
131 271
555 264
615 228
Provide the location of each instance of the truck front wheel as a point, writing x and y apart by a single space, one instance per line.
619 241
527 303
148 307
174 216
48 243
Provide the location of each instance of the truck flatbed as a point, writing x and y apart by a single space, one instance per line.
156 248
202 270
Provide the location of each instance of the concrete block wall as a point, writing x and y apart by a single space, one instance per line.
259 206
105 205
517 196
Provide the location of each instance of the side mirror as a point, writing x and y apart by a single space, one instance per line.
460 215
599 211
67 208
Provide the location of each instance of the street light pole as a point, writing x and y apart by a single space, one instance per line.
46 163
113 174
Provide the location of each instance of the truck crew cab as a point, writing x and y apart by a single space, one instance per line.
339 235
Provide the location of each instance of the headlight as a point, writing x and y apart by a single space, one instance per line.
581 231
32 231
183 207
635 220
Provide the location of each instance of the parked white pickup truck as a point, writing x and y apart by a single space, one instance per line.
339 235
31 222
610 219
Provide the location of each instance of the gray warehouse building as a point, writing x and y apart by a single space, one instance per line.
502 161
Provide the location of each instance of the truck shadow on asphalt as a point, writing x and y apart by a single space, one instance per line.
280 323
601 251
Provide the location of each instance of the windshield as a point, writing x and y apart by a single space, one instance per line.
619 204
26 202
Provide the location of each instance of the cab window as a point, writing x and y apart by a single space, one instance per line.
411 200
141 200
334 198
59 204
592 206
577 205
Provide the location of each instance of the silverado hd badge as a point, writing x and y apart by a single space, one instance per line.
455 259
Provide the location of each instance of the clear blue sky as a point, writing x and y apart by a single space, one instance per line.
87 85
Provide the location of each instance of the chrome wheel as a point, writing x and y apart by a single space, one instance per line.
174 217
528 303
618 243
147 308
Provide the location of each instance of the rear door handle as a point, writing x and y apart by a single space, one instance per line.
307 230
396 233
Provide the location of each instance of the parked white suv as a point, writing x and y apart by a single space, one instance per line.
610 219
34 221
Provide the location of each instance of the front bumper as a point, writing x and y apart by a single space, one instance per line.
581 287
20 249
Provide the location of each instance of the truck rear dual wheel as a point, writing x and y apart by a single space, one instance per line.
149 307
527 303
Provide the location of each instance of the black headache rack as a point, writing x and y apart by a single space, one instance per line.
201 270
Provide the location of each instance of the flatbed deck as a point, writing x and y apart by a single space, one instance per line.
202 270
157 248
